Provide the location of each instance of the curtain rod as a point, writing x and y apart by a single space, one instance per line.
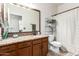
66 11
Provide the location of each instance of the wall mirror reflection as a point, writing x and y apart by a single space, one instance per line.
21 18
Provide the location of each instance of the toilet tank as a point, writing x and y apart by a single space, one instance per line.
51 38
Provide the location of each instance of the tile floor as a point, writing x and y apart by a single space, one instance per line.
51 53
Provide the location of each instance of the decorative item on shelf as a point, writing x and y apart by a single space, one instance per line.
52 21
34 29
50 25
5 35
5 28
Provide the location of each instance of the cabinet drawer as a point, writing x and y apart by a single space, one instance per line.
7 48
25 44
44 39
37 41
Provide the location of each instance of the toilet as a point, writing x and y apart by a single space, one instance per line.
53 45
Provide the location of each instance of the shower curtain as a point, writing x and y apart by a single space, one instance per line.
67 29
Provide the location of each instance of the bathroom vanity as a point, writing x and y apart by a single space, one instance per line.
25 46
25 22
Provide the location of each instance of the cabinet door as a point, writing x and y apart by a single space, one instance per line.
13 53
44 48
37 50
27 51
8 50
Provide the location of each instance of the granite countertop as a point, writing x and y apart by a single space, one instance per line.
11 40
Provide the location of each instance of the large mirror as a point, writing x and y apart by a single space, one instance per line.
21 18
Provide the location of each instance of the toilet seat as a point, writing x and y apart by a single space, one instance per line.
56 44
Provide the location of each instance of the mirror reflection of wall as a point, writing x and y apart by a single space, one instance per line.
14 23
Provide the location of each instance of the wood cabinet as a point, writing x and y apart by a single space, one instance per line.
26 51
8 50
12 53
36 47
25 48
44 46
37 50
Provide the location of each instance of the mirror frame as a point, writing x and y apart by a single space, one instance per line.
2 17
25 33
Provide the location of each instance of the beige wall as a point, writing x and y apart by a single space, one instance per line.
66 6
47 9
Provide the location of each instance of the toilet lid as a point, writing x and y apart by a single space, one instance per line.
56 44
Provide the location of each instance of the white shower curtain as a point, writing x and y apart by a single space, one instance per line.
66 29
76 40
